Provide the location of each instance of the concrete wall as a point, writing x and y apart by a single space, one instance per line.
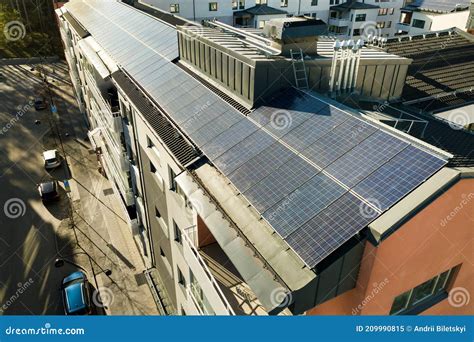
425 246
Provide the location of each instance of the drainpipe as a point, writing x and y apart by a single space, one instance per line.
194 10
350 59
360 44
342 66
335 57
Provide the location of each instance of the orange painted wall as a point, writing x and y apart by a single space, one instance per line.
425 246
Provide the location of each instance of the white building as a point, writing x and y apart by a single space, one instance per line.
429 15
346 18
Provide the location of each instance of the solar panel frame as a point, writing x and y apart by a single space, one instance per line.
243 151
280 183
338 141
330 229
365 158
303 203
393 180
260 166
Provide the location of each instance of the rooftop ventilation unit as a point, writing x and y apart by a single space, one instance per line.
294 34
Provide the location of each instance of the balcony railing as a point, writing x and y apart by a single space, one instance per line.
192 253
339 22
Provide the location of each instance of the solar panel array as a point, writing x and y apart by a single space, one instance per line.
316 173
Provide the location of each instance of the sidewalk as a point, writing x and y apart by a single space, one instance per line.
100 223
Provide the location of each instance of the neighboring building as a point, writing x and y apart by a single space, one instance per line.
470 20
256 195
421 16
362 19
345 17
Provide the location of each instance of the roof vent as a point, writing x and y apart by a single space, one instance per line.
295 33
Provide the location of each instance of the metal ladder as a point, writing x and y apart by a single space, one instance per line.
299 69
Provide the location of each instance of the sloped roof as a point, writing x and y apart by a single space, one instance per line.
261 10
439 6
352 5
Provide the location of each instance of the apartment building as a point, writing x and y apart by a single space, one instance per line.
345 18
256 199
421 16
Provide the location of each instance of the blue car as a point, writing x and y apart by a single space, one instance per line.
76 294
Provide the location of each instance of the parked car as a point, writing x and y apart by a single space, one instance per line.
48 190
76 294
40 103
51 159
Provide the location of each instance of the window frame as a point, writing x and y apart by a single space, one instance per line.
415 306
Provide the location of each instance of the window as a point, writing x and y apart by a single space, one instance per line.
177 233
174 8
241 4
181 279
380 24
152 168
172 179
213 6
157 213
261 24
356 32
235 5
383 11
283 3
314 2
389 24
149 143
423 296
261 2
391 10
360 17
418 23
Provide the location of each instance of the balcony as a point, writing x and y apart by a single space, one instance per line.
340 22
404 27
216 286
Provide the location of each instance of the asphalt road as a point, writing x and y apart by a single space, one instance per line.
32 234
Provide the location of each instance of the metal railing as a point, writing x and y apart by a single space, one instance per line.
191 244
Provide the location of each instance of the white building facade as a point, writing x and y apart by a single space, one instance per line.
381 16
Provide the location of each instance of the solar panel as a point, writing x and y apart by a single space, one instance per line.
303 204
399 176
280 183
365 158
215 128
313 128
338 141
243 151
230 137
327 231
260 166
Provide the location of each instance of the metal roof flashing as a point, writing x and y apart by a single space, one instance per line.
387 223
276 252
